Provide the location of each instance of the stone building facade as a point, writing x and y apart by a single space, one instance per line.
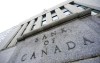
66 33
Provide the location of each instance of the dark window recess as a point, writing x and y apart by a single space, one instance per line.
21 28
23 31
22 25
72 3
53 11
65 11
28 22
54 15
35 19
34 23
44 15
43 20
62 7
32 27
25 28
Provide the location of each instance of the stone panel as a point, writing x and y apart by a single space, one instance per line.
6 55
71 41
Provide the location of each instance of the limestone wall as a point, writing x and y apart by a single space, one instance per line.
77 41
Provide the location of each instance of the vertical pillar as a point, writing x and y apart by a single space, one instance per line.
60 14
73 8
48 18
14 41
29 27
9 38
38 22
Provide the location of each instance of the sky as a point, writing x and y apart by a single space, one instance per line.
13 12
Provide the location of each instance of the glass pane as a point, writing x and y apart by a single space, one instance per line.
54 14
64 10
43 23
93 13
67 13
55 18
44 19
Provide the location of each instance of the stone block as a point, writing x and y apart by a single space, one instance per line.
6 55
68 42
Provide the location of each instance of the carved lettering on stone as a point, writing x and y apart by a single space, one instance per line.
36 40
44 52
46 42
33 56
63 30
57 49
53 33
24 57
44 37
53 40
86 41
71 45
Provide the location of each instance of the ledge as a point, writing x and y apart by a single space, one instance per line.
90 5
55 23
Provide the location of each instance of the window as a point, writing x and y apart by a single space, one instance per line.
82 7
25 28
54 15
94 12
32 27
44 23
72 3
34 23
79 6
35 20
43 20
65 11
62 7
